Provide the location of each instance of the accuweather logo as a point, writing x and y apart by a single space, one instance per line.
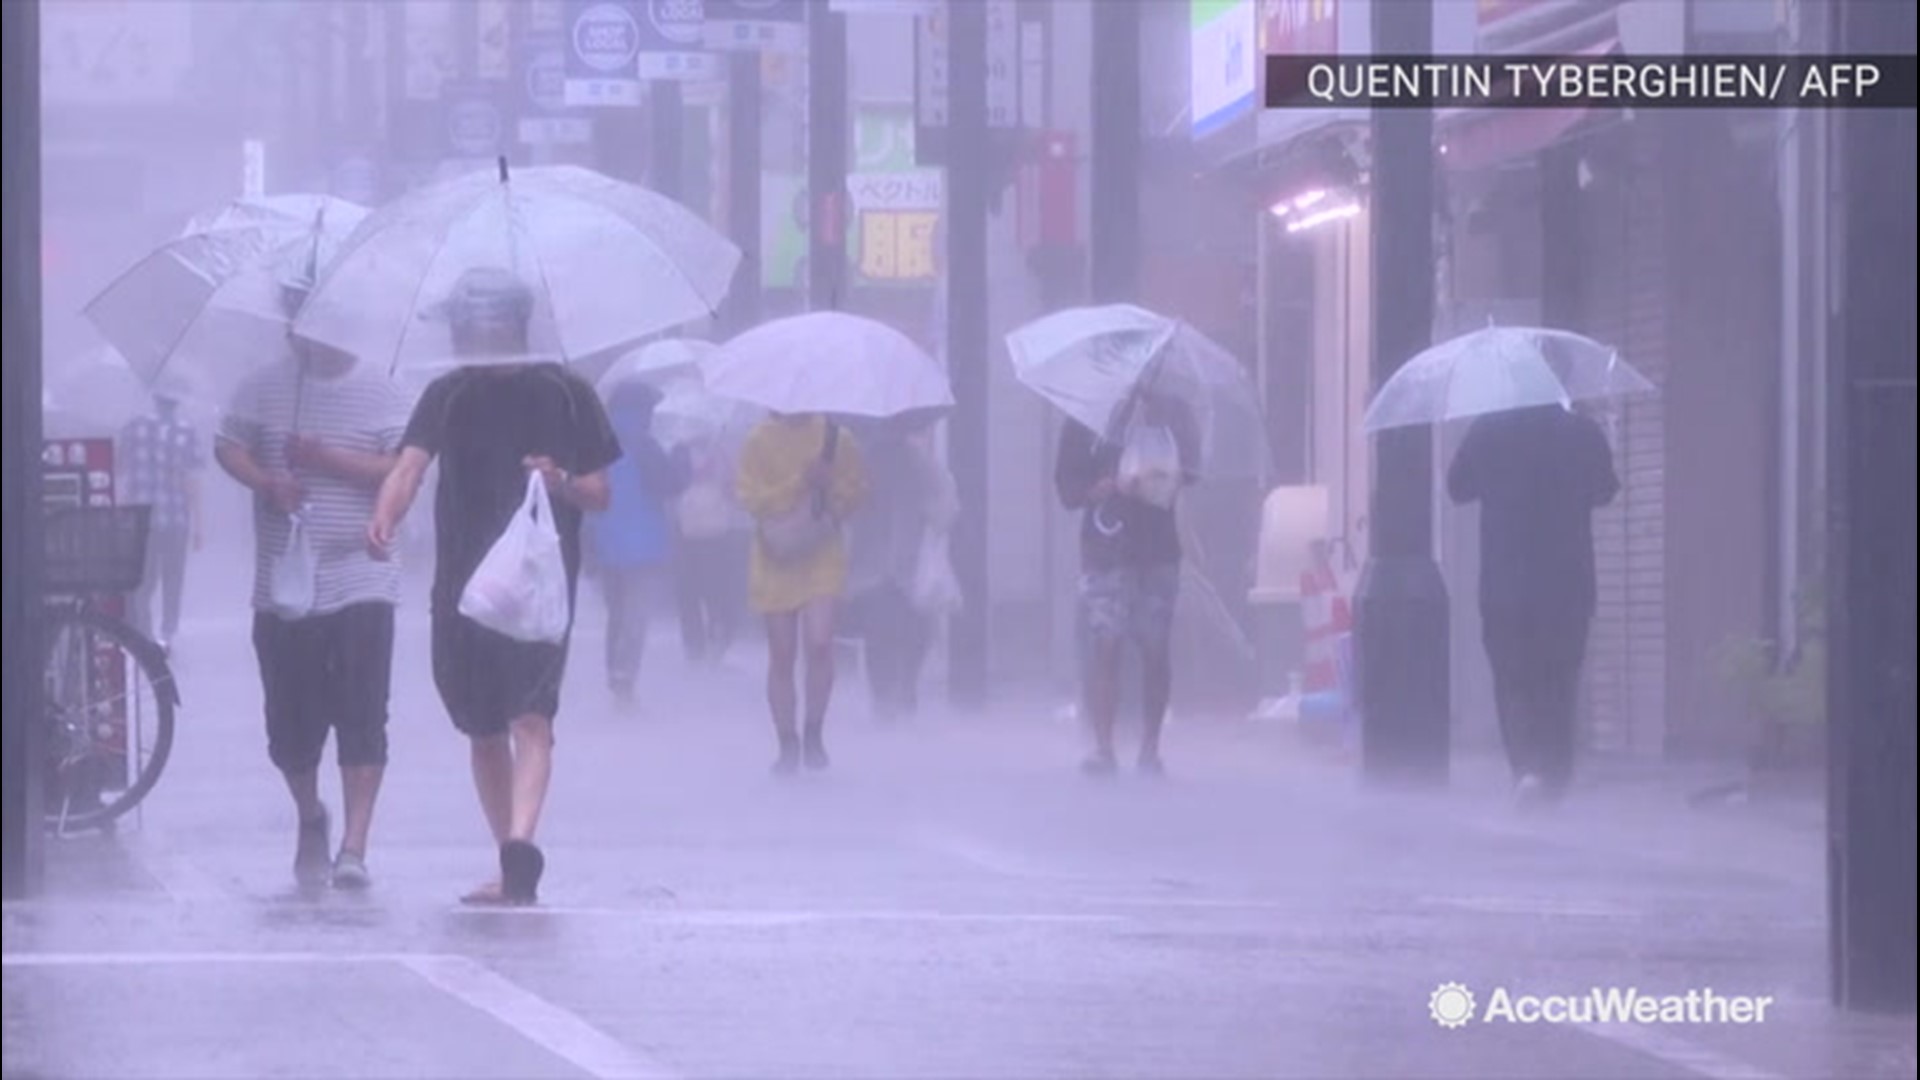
1452 1005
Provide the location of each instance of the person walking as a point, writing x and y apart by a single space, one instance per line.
313 435
1538 475
488 425
910 495
801 478
1129 574
710 554
632 538
161 458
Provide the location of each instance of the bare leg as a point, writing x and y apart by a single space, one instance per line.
816 629
360 788
305 788
1103 695
783 647
1156 691
532 773
493 779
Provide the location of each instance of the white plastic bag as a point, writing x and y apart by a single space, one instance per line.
290 588
1150 465
936 588
520 588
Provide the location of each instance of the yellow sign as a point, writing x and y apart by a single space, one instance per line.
897 245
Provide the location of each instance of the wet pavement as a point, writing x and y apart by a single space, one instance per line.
950 900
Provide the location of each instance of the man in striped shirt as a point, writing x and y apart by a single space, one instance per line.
313 435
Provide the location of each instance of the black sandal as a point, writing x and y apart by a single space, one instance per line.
521 865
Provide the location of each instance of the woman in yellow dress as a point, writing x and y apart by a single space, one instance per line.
800 477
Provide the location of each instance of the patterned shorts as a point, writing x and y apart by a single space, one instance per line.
1132 603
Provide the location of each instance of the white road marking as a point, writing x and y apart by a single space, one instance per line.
1527 905
1680 1053
536 1019
44 959
986 857
787 918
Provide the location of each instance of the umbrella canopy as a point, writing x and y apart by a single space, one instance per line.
1499 369
689 413
607 263
210 303
657 362
828 362
1094 363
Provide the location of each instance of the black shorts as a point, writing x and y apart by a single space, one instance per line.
325 673
486 680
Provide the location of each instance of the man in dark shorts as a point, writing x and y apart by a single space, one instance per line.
1129 577
312 434
489 424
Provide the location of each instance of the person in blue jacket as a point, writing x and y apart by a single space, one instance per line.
632 540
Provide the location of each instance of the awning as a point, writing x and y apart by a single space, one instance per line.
1474 139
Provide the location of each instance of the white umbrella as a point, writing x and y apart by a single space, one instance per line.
608 264
828 362
207 305
1092 363
1499 369
657 362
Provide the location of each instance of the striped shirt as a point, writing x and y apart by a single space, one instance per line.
358 412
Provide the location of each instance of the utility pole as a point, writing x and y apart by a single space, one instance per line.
826 157
969 164
1114 169
741 309
1870 543
23 719
1401 627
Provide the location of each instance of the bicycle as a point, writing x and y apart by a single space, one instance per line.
99 762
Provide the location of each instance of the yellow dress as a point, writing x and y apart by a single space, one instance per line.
771 480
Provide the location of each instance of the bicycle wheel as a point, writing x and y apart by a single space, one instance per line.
110 700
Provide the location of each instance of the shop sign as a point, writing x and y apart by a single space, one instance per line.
603 51
1224 78
1299 27
898 245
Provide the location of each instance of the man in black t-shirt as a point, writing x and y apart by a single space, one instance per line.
1129 576
488 425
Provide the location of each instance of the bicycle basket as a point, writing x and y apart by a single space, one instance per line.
95 549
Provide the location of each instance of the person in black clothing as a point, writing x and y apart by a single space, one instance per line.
1129 576
1538 474
489 426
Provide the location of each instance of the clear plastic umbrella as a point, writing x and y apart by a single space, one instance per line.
207 305
828 362
657 362
1499 369
608 263
691 413
1094 363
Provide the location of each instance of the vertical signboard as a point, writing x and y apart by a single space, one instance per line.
429 47
1224 78
896 202
1302 27
932 95
495 57
603 53
753 25
673 41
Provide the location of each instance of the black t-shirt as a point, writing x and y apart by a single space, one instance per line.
481 423
1119 531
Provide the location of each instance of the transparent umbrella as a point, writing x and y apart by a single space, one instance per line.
1499 369
206 305
1093 364
657 362
828 362
609 264
691 413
